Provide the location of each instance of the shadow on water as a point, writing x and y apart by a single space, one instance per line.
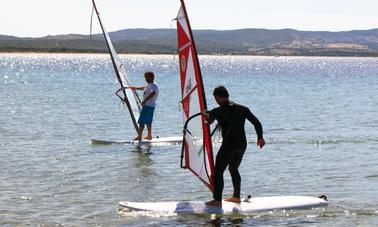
142 157
219 220
144 149
113 148
143 177
216 219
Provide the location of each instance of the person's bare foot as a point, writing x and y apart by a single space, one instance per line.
233 200
148 138
138 138
214 203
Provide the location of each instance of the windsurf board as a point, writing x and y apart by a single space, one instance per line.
251 205
155 141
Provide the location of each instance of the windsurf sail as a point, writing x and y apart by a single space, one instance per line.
129 97
197 155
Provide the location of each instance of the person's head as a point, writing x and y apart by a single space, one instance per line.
149 76
221 95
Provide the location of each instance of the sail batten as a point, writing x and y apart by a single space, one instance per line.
128 96
197 147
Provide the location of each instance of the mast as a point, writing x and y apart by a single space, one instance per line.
119 78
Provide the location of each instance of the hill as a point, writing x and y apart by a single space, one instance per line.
241 42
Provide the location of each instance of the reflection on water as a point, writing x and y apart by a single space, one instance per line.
142 170
143 149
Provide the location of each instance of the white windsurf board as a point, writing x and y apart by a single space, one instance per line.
172 140
252 205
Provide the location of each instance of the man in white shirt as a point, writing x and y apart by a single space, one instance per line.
150 94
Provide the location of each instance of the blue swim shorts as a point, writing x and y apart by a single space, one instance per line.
146 115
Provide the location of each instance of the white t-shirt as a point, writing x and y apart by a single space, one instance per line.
147 91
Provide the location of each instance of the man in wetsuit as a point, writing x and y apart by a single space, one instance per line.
231 118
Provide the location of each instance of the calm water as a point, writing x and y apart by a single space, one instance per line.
319 117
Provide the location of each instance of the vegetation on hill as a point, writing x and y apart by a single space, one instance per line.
282 42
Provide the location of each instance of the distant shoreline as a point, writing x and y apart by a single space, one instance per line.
171 54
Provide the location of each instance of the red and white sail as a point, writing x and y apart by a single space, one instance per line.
197 148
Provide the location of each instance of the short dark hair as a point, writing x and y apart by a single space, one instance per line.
149 73
221 91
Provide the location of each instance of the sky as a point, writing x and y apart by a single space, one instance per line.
37 18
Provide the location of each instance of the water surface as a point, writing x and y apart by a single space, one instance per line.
319 117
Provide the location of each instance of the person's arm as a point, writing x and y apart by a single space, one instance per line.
209 116
258 127
149 97
133 88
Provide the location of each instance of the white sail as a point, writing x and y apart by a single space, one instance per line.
128 96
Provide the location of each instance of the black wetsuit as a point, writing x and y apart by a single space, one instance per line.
231 119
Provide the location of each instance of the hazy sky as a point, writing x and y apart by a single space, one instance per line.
35 18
